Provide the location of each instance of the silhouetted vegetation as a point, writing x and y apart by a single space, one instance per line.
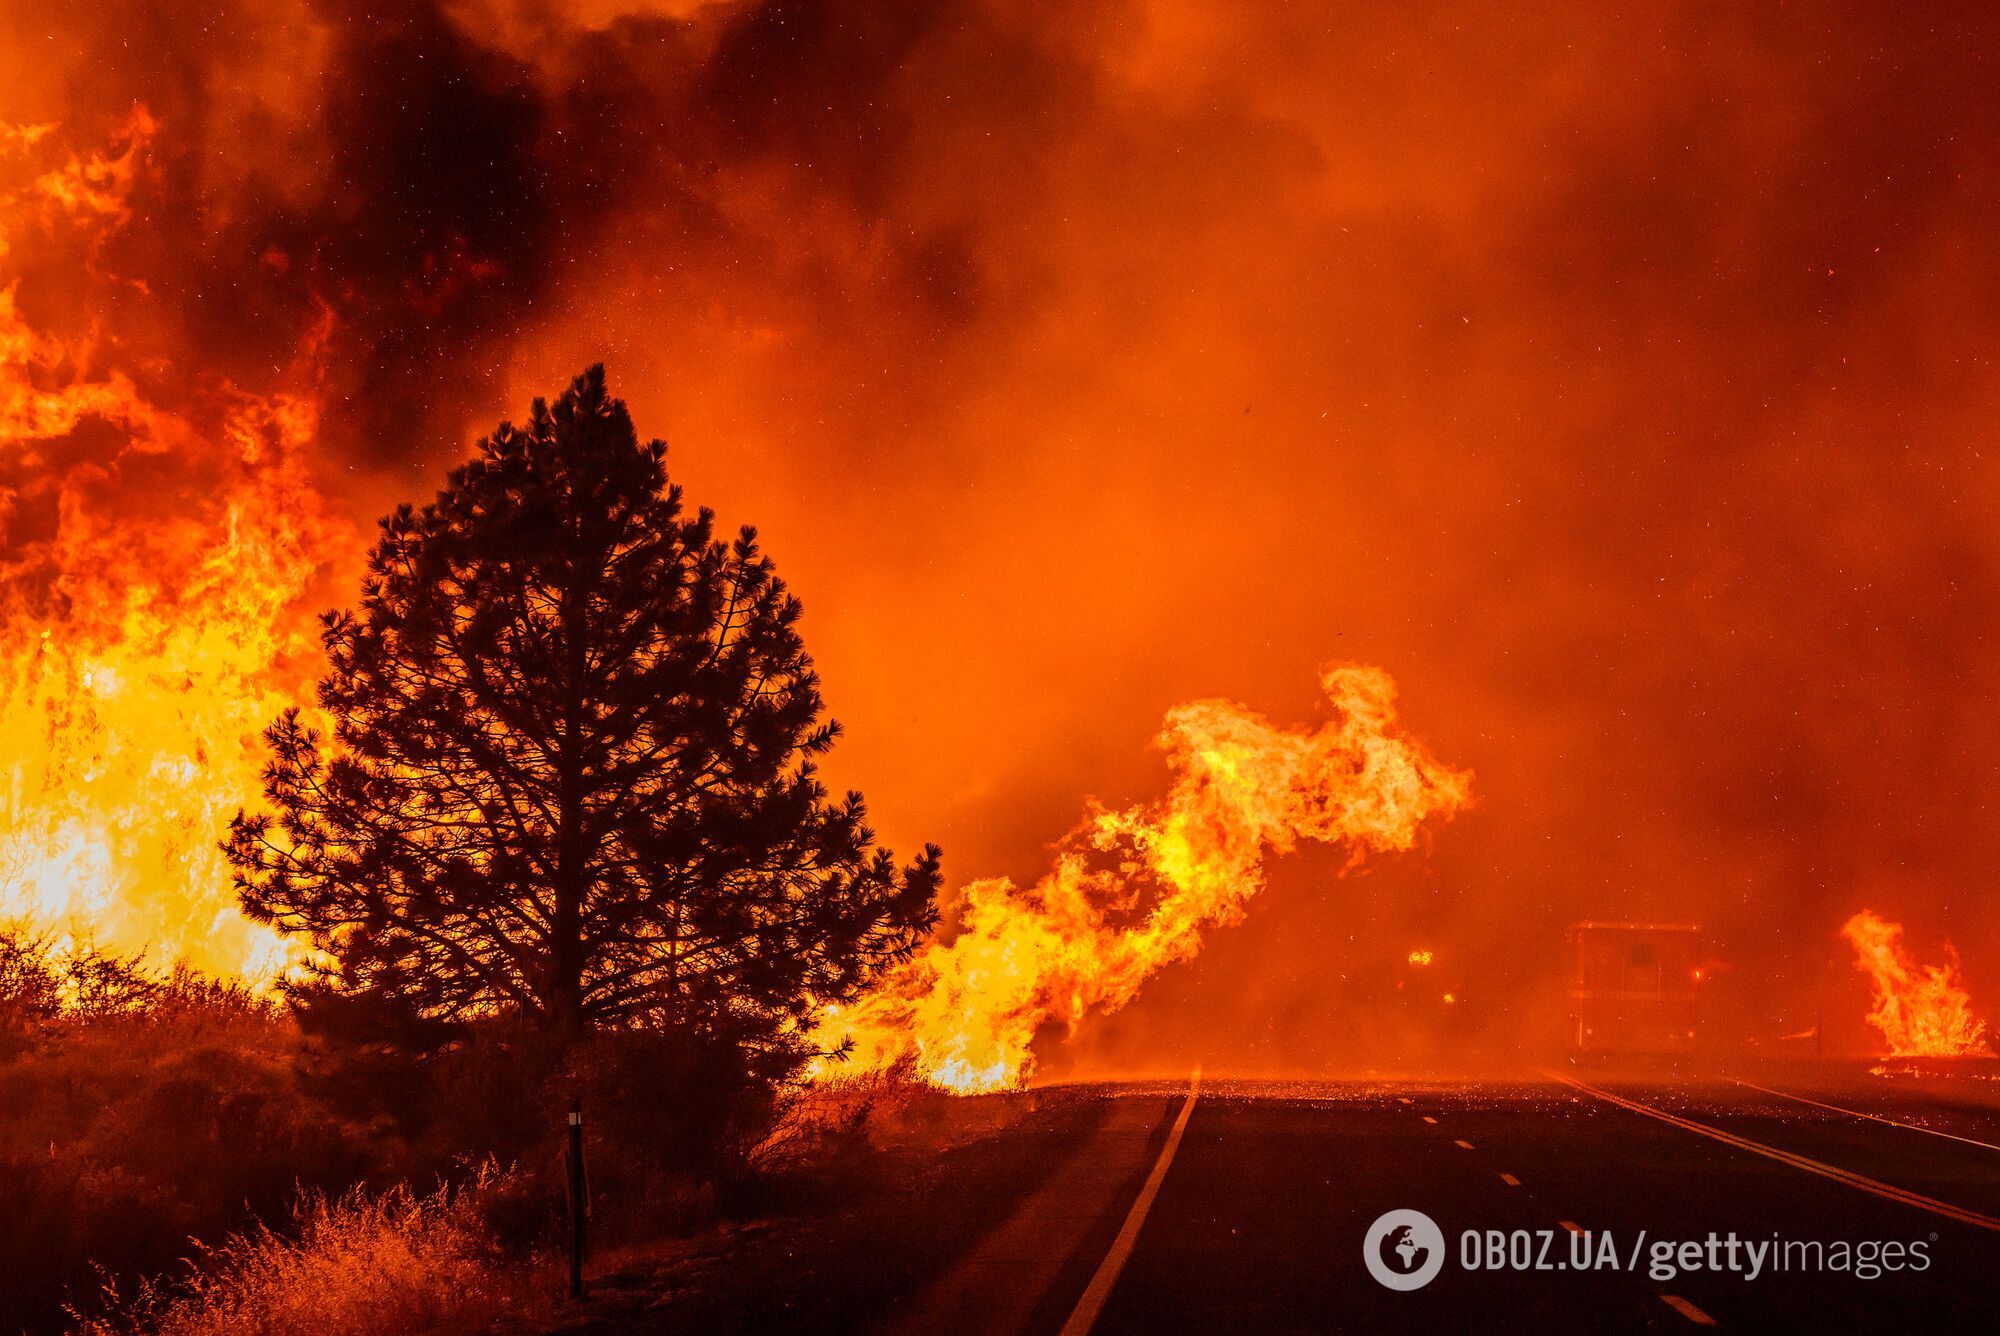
572 777
143 1109
184 1160
554 832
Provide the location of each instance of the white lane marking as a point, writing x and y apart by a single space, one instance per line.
1466 1144
1432 1121
1886 1191
1084 1316
1687 1310
1510 1180
1571 1225
1871 1117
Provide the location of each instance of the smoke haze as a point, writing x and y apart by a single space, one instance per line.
1622 385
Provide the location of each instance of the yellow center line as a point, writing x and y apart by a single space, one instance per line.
1871 1117
1886 1191
1084 1316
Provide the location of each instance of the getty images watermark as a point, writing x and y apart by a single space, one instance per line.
1405 1250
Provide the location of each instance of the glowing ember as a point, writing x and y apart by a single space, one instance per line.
1922 1010
154 551
1087 935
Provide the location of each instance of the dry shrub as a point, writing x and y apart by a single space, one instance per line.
885 1109
50 987
818 1118
140 1108
355 1265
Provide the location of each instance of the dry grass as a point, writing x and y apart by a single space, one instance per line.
882 1110
814 1118
140 1108
357 1265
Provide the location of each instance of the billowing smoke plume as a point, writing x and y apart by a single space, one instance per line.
1623 381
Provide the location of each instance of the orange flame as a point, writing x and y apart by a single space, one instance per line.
153 556
1922 1010
1084 938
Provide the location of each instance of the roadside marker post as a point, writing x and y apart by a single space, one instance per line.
579 1201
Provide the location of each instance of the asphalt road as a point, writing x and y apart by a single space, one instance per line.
1256 1221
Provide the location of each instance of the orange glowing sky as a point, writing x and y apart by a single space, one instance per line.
1621 382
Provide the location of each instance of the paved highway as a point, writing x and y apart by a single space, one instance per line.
1860 1206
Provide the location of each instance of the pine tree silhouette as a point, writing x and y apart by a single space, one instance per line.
570 773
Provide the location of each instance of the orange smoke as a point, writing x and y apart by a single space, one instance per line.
1136 888
1922 1010
154 551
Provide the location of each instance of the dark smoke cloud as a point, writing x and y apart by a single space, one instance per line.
425 174
1622 384
388 173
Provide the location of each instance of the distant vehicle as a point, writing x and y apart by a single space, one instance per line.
1633 988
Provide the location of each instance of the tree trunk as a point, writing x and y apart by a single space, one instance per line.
566 987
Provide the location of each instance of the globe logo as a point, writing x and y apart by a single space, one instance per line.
1406 1247
1404 1250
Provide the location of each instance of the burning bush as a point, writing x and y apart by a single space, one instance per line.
966 1011
1923 1011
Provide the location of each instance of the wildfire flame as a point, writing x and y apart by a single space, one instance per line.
1922 1010
161 549
1088 934
155 549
